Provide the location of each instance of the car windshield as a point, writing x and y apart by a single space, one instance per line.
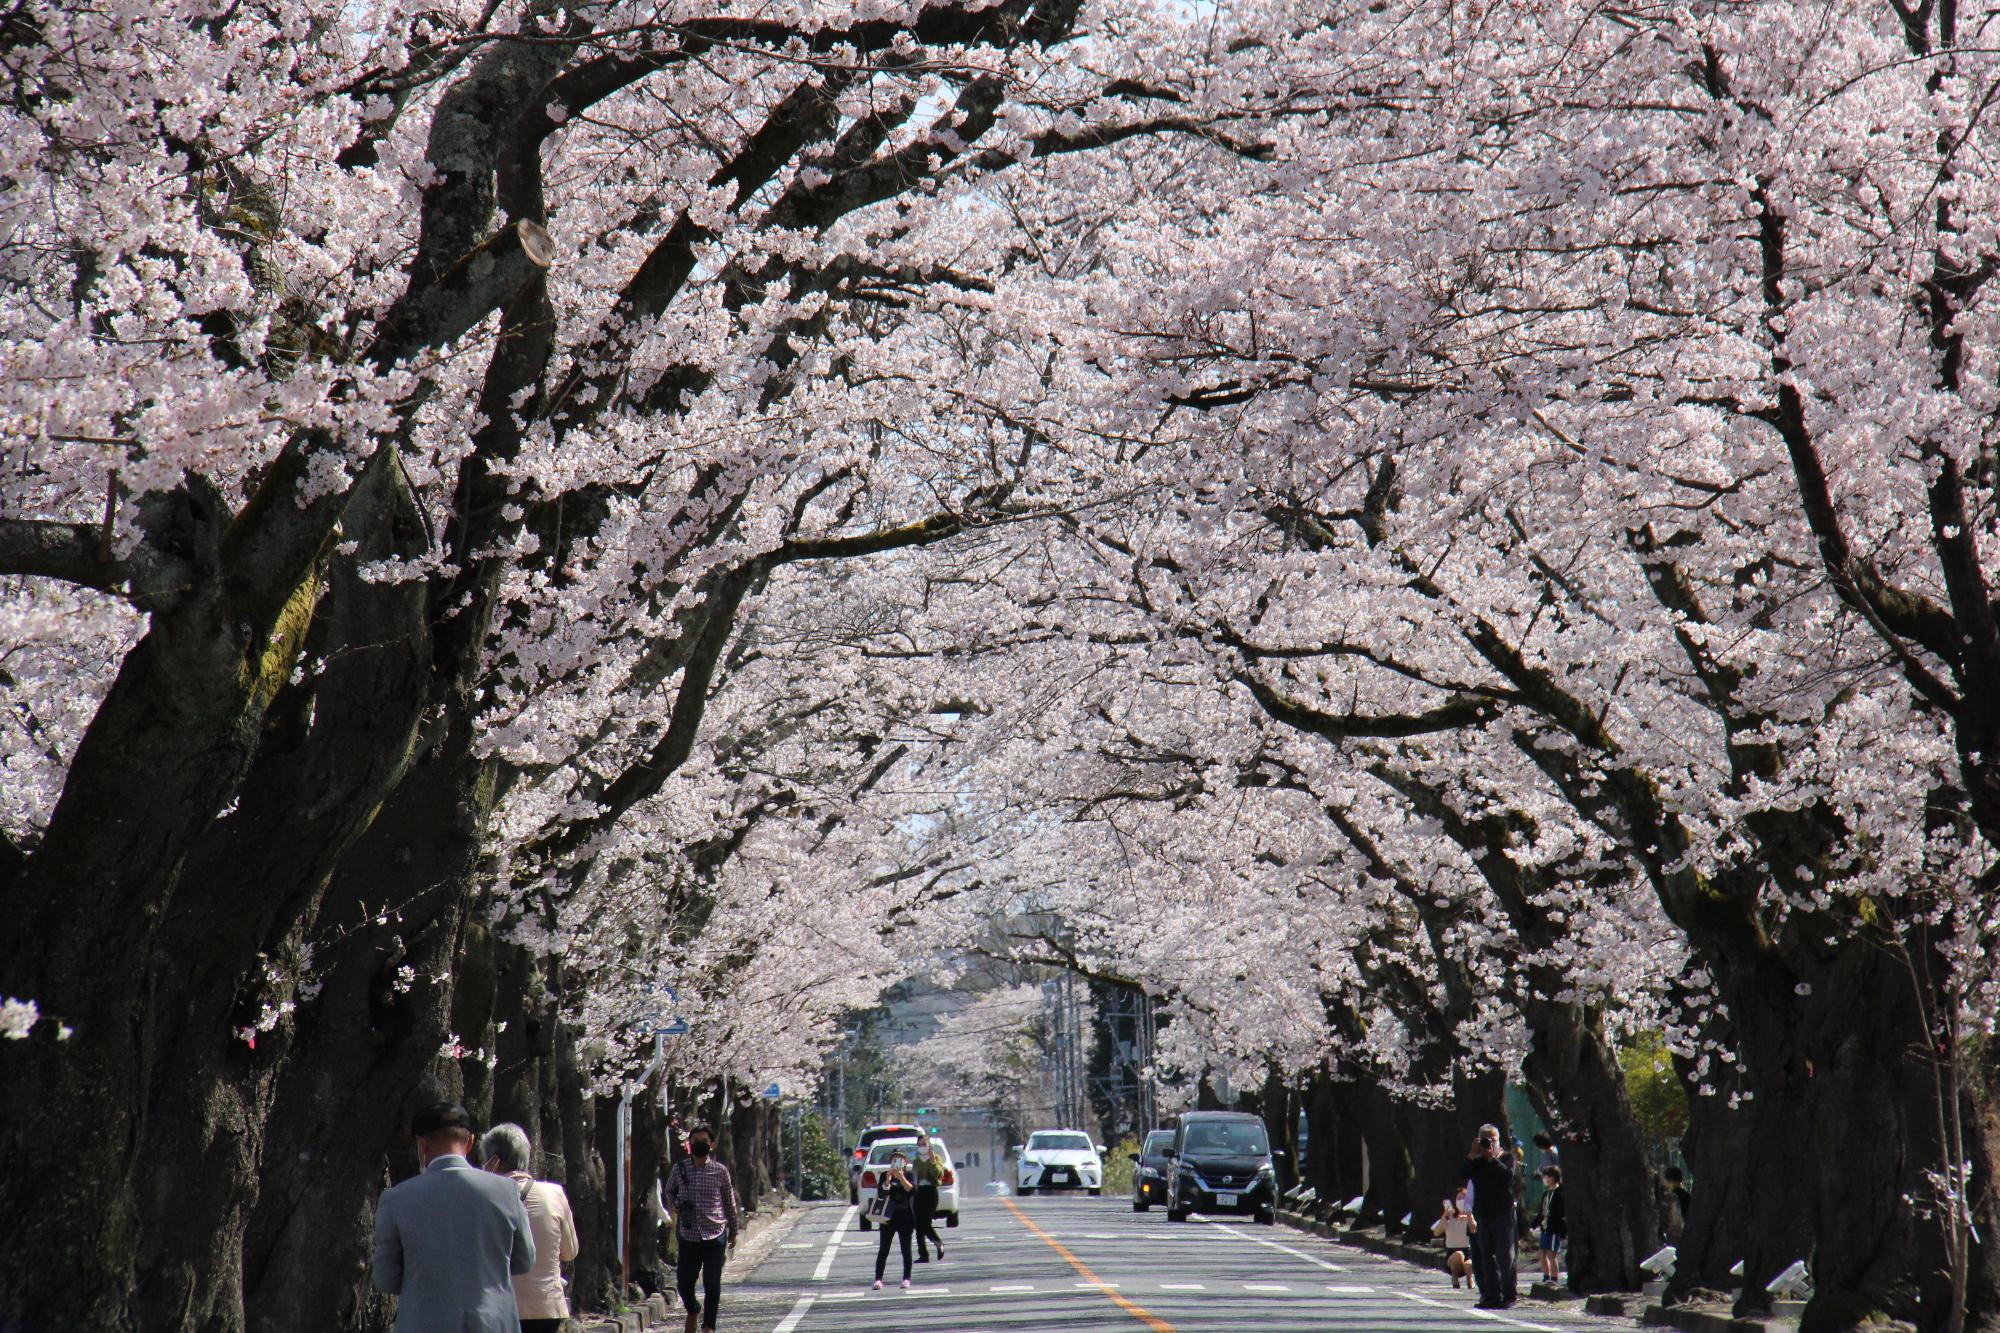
1058 1143
1228 1138
1157 1142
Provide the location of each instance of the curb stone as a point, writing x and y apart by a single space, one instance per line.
1614 1305
1691 1320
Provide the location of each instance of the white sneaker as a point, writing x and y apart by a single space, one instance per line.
877 1286
906 1284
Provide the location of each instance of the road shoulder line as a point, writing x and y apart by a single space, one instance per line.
832 1249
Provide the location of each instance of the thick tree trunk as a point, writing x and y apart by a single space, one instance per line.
364 1048
1389 1173
586 1175
1980 1115
649 1167
1280 1109
604 1141
344 741
525 1092
474 1003
1715 1232
1438 1139
1333 1165
108 893
1843 1136
1608 1186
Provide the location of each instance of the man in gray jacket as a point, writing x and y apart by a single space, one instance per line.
449 1240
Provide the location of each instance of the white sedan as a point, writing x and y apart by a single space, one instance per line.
1055 1159
877 1169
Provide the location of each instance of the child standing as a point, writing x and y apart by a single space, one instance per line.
1554 1222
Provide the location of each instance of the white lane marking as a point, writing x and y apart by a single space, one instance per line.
1350 1291
1012 1288
795 1245
1182 1286
791 1321
1241 1234
1265 1286
833 1243
1508 1320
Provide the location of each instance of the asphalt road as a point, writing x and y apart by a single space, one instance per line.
1082 1265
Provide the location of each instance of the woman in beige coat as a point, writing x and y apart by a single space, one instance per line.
539 1293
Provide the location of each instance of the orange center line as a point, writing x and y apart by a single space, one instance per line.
1133 1308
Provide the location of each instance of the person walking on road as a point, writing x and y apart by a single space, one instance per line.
703 1202
900 1218
929 1171
1491 1176
450 1241
540 1296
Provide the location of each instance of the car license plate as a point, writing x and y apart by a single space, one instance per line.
1225 1201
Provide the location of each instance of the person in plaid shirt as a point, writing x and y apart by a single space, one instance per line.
703 1202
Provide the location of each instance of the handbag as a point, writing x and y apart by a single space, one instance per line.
878 1208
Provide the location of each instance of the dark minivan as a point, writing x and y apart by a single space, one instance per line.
1149 1176
1220 1162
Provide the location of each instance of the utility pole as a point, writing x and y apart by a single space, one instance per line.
1149 1094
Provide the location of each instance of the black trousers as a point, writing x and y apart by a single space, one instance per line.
541 1326
1493 1257
896 1226
927 1202
701 1261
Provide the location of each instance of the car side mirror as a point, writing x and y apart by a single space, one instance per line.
1279 1152
1019 1149
1135 1156
1101 1150
1170 1153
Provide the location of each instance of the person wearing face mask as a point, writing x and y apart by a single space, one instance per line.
703 1203
929 1171
901 1219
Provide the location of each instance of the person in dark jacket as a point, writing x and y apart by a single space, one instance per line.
1491 1176
929 1171
901 1219
1554 1223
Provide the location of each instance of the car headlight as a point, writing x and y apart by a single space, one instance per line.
1267 1172
1148 1173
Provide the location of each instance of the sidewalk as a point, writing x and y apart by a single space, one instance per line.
763 1231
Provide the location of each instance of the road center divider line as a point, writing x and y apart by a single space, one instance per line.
1131 1307
833 1245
